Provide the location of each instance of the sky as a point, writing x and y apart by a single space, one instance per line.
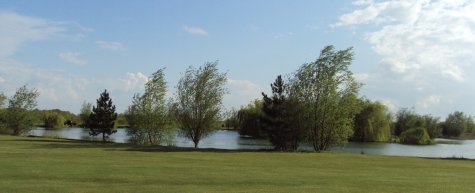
408 54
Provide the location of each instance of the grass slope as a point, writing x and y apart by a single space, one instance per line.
47 165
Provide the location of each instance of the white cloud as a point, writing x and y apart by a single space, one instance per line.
110 45
415 36
72 57
195 31
392 107
241 92
425 46
429 101
133 81
16 30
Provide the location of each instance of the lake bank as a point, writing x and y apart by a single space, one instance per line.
224 139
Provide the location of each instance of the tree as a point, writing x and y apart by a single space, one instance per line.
148 118
407 119
372 123
86 110
18 116
250 120
2 111
102 118
456 124
231 121
198 101
281 125
2 99
432 125
416 136
328 91
53 120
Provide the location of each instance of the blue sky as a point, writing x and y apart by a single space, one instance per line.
407 53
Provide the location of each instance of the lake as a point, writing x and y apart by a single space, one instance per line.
223 139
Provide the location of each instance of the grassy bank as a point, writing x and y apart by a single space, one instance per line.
49 165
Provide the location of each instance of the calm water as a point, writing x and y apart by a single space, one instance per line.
231 140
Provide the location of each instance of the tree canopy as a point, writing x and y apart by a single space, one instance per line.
148 118
18 116
198 101
329 91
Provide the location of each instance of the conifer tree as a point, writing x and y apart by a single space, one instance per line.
103 116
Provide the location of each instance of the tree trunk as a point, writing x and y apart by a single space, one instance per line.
196 143
103 137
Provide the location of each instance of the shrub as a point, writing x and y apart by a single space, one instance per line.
416 136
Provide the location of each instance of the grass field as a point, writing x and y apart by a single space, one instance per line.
50 165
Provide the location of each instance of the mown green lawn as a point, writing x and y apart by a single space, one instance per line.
49 165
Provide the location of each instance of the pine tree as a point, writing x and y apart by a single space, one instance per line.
281 118
102 118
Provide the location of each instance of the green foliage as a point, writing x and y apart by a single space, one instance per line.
53 120
3 98
407 119
102 118
121 121
328 90
432 125
148 118
415 136
280 118
457 123
198 101
231 121
56 118
372 123
250 120
86 110
18 117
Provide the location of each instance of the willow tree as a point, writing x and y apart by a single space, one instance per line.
329 91
148 115
198 101
372 123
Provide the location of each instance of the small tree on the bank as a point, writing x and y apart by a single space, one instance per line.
86 110
328 91
372 123
18 116
101 120
198 101
250 120
281 118
148 117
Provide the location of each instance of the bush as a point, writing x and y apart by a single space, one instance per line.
416 136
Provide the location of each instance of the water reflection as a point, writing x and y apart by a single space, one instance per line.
231 140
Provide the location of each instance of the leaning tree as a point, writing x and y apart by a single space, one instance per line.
198 101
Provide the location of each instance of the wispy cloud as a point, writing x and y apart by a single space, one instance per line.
72 57
17 30
195 31
110 45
